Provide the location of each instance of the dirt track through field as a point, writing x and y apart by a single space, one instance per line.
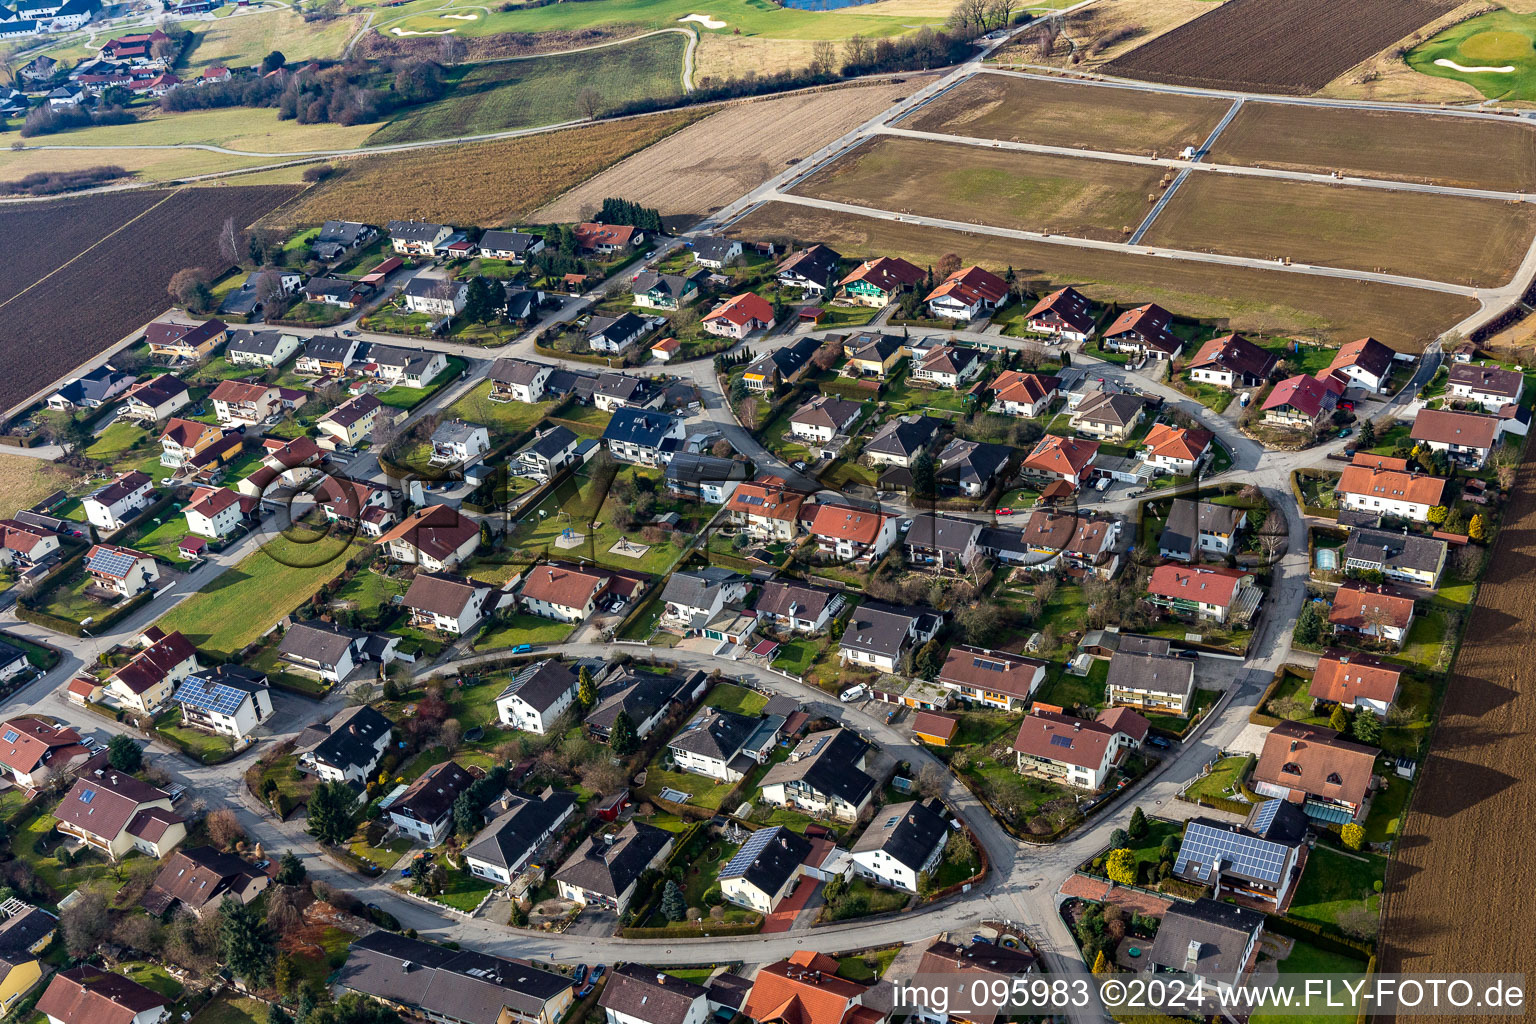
1464 854
726 155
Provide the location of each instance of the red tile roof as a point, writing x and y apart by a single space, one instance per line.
90 995
744 308
1023 388
33 738
997 671
1198 583
1315 761
591 236
1177 442
793 992
931 723
886 273
1390 482
1356 606
1058 737
971 285
1442 426
565 585
1344 676
1061 456
1307 395
1236 353
843 522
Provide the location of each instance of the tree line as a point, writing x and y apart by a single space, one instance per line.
355 92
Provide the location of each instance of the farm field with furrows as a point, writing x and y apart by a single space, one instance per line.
957 181
1284 46
1464 152
1099 33
1442 238
724 156
485 183
1476 794
1074 114
1259 301
543 90
109 283
69 225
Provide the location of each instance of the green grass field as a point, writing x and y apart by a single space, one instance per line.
543 90
1333 881
1307 960
248 599
1498 39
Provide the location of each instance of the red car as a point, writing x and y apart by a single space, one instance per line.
1005 511
1347 406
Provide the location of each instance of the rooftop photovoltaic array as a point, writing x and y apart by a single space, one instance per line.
111 563
749 851
216 697
1238 852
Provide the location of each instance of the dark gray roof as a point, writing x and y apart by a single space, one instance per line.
817 264
715 733
25 929
343 232
713 247
434 287
1185 517
1280 820
541 684
551 442
972 462
461 985
768 858
432 795
1389 550
320 642
879 628
329 347
262 343
511 370
942 533
609 868
615 328
788 360
827 411
414 230
331 286
622 386
1155 673
511 836
94 384
645 427
777 596
644 993
1218 934
873 346
408 359
520 303
697 588
674 285
905 437
351 738
507 241
639 695
918 828
1111 407
689 468
829 764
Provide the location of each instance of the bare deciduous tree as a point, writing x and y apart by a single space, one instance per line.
591 102
229 242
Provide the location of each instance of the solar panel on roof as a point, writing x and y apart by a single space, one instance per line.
991 666
113 563
1240 853
201 693
1265 816
87 796
749 851
1061 741
11 735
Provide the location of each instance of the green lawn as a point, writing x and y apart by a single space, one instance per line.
204 746
702 792
1334 880
543 90
464 891
123 439
1069 691
861 899
729 697
229 1010
502 418
163 540
797 656
581 501
1221 782
1387 807
1306 960
845 472
399 397
522 629
1209 395
69 600
248 599
1429 640
90 870
867 968
1499 38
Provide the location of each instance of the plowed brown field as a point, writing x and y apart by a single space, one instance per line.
1284 46
1459 888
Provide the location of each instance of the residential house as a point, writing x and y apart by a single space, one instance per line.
826 774
217 512
1108 415
643 697
872 355
806 989
900 441
715 744
459 443
1145 332
513 246
877 635
153 400
604 871
34 751
425 810
823 418
92 995
449 603
767 868
1491 387
878 282
190 342
521 825
1302 402
636 994
1467 438
1315 767
435 296
608 238
23 545
518 380
259 287
1257 859
339 237
1159 683
435 538
715 252
850 534
341 292
113 506
613 391
351 423
1062 458
990 678
348 747
1359 682
972 974
537 695
797 607
1177 450
1232 361
260 348
548 453
1078 752
115 813
973 467
1385 486
229 700
1399 557
417 237
615 334
1065 313
942 542
453 986
780 366
13 662
814 270
1203 592
1214 943
967 294
902 845
332 652
406 367
245 403
653 290
644 437
149 679
353 502
327 355
1372 611
569 593
704 478
92 390
739 316
200 879
121 571
183 440
1364 364
766 511
950 366
1023 394
1199 530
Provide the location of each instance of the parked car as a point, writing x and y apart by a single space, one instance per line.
581 973
1005 511
853 693
522 648
1347 406
1159 742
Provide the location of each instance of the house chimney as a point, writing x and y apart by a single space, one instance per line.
1194 950
1294 744
661 979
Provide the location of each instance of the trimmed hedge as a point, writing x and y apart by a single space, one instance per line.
683 931
1317 935
73 628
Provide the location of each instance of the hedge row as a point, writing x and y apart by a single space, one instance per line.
683 931
1317 935
73 628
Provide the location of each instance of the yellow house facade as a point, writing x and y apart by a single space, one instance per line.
19 972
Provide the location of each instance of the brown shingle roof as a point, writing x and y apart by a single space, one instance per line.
90 995
104 806
998 671
1345 676
1442 426
1316 761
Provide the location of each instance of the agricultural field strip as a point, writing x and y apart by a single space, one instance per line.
1174 163
1480 294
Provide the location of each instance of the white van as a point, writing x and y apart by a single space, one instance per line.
853 693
